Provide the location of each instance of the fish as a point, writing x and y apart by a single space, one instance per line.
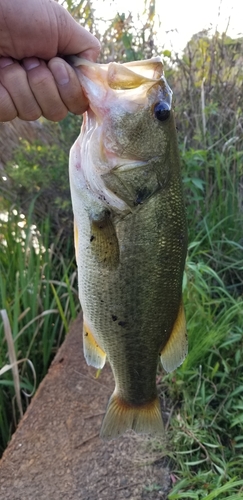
130 235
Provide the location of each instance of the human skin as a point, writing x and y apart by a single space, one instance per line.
34 81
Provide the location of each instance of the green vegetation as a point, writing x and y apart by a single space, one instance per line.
207 391
38 297
39 169
38 287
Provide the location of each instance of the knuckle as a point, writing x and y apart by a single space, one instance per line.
75 100
7 115
56 115
30 115
40 79
7 109
76 109
12 77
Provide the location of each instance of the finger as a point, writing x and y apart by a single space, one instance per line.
13 78
68 86
7 109
44 89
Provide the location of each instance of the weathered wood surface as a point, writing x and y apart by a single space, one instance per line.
56 452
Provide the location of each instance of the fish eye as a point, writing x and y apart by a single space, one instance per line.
162 111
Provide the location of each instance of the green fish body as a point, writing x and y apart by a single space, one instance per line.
130 236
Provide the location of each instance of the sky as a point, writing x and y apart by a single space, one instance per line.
184 17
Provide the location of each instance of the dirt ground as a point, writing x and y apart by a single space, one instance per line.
56 452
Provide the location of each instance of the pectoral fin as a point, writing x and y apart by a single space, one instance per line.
94 355
103 240
175 350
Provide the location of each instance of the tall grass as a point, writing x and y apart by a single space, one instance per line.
207 390
38 294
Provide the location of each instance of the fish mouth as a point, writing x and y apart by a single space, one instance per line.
134 74
124 76
132 80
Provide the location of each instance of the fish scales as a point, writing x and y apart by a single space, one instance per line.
130 260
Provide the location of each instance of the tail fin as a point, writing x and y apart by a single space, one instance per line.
120 416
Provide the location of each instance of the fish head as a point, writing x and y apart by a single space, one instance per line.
129 120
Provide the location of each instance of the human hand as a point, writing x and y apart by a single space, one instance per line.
33 81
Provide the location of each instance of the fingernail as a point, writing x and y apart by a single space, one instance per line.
60 73
5 61
31 63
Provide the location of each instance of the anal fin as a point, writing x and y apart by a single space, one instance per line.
94 355
121 416
176 348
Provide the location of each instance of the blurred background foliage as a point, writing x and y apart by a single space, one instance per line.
37 255
208 97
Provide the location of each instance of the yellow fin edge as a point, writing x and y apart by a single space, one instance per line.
94 355
75 229
176 348
120 416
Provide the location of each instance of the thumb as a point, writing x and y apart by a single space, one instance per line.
73 38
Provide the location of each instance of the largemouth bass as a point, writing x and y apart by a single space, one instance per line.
130 235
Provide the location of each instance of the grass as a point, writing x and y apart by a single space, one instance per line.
206 392
38 298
